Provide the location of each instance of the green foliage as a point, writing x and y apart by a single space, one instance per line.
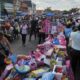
65 12
74 10
53 62
48 9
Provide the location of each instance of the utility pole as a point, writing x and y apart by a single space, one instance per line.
14 7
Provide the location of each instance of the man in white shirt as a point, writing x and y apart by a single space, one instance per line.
75 53
75 40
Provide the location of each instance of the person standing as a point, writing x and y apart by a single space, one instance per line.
47 26
67 32
75 53
5 50
23 31
33 29
16 29
41 33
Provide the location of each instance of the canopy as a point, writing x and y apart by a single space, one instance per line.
22 13
49 14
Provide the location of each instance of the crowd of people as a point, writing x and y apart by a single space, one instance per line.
41 28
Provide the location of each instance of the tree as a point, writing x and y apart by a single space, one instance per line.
65 12
48 9
74 10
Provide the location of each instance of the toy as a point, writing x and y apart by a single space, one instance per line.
61 53
57 71
52 63
7 61
39 72
48 76
49 52
11 75
25 57
29 79
32 63
59 61
56 41
22 69
13 58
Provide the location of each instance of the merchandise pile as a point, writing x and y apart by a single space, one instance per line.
48 62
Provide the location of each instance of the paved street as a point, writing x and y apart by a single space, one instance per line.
19 49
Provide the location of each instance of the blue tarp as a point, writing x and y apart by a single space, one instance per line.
56 41
49 14
48 76
21 14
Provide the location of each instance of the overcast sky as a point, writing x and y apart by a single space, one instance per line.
57 4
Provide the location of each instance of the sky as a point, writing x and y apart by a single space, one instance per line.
57 4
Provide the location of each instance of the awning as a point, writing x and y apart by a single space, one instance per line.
49 14
21 13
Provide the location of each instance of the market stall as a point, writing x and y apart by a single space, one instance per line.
48 62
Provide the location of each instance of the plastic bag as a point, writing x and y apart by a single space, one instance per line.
48 76
56 41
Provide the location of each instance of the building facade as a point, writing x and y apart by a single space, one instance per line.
27 6
13 6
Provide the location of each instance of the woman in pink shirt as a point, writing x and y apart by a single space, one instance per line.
47 26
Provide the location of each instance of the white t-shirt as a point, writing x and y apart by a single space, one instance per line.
53 30
75 38
77 24
24 29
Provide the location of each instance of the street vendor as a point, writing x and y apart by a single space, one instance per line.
5 50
